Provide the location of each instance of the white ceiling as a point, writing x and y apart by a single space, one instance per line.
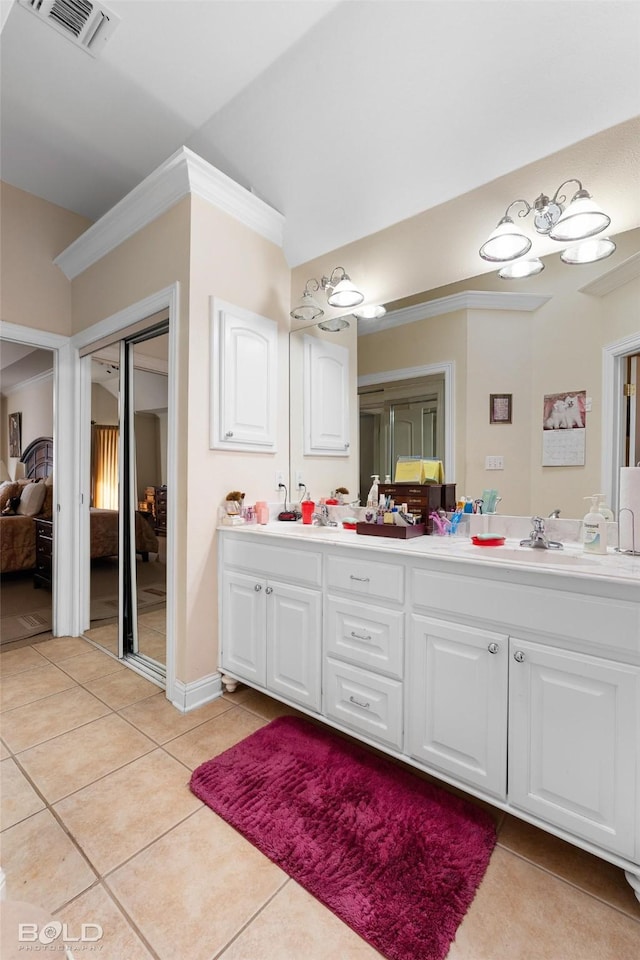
345 116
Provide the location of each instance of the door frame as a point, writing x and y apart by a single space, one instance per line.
614 356
64 388
165 299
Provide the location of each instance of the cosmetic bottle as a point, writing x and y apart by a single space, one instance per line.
594 528
307 507
372 498
262 511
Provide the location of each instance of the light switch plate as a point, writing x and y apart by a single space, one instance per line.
494 463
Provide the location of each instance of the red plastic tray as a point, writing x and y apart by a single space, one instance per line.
486 542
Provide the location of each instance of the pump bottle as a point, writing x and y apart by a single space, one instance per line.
372 498
594 528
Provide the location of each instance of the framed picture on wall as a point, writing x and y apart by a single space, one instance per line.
500 405
15 434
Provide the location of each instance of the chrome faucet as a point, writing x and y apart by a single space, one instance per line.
538 539
321 517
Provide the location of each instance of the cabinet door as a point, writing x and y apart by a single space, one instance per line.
457 702
243 627
294 643
326 398
244 379
365 702
573 742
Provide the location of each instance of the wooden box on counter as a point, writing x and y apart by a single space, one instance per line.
421 498
392 530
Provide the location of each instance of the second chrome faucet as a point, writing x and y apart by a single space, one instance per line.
538 539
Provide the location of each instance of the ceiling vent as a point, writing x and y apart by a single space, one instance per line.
88 25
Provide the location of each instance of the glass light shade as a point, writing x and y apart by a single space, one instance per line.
371 312
505 243
345 294
588 251
307 309
582 218
521 269
334 324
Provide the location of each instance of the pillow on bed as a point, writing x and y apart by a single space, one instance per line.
31 499
8 489
46 511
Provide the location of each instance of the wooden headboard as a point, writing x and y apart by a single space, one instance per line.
38 458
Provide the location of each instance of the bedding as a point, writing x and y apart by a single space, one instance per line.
18 538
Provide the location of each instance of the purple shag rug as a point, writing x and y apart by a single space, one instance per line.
395 857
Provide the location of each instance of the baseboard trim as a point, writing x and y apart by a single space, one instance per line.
188 696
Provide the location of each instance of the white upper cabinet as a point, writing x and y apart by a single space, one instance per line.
244 360
326 398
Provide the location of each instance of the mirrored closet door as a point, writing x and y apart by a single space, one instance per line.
128 508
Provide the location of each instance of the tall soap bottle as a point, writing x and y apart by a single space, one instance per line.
594 528
372 498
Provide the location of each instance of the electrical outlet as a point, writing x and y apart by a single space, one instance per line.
299 481
494 463
279 479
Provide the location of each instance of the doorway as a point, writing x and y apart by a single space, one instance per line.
128 497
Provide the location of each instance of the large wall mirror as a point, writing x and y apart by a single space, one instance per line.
576 329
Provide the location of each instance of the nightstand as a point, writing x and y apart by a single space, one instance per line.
43 575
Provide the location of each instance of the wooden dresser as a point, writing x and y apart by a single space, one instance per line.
43 575
160 511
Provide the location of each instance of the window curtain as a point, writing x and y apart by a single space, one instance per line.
104 466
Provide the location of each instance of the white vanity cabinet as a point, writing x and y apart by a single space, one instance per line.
364 647
326 398
573 742
271 626
457 702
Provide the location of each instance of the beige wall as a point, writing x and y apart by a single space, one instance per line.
231 262
35 402
33 291
104 406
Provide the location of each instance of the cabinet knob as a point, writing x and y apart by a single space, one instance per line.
258 587
519 656
347 445
229 433
493 648
269 590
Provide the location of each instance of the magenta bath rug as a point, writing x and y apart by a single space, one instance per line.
395 857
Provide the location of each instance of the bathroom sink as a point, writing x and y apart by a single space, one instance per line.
529 555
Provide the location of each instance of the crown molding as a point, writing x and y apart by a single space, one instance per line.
628 270
469 300
182 174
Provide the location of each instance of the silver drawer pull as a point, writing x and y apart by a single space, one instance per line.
229 433
358 636
358 704
359 579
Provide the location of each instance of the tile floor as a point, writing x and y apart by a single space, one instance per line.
99 826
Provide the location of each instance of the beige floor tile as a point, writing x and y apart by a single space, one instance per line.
124 811
26 726
590 873
32 685
62 648
213 737
194 888
15 661
523 913
156 619
121 689
4 750
106 636
295 925
91 665
77 758
18 799
160 720
118 941
267 707
152 643
42 864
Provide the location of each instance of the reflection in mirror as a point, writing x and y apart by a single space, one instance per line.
398 419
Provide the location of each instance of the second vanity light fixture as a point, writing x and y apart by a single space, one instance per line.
341 293
575 224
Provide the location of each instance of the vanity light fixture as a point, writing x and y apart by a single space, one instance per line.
334 324
373 311
341 292
580 219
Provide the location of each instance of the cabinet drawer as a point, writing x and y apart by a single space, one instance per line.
366 635
44 547
297 566
364 702
384 581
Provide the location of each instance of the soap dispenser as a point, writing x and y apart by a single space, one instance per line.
594 528
606 511
372 498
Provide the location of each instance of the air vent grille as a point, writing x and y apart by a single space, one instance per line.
88 25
